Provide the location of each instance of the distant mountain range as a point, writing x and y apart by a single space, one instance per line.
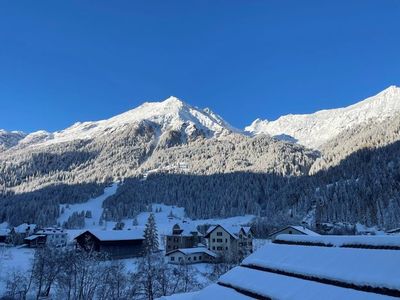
298 157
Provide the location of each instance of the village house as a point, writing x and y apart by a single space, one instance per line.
293 230
226 242
52 237
115 244
191 256
20 232
182 238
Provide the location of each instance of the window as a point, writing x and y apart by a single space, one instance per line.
172 258
219 233
226 248
219 248
200 257
213 248
226 240
189 258
213 240
219 240
290 232
195 258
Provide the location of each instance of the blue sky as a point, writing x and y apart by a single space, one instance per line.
68 61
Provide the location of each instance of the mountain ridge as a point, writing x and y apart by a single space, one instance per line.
315 129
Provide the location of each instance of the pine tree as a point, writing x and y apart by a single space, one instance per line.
150 236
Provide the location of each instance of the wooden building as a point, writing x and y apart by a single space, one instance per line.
114 243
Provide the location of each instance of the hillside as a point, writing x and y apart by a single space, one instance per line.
173 153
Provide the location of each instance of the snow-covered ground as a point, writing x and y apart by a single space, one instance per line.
93 204
13 259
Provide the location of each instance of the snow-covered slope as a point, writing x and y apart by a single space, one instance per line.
313 130
171 114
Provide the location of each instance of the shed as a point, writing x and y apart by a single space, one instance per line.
114 243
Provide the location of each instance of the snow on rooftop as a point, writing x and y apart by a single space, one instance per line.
305 230
118 235
363 267
23 228
342 240
188 251
276 286
279 271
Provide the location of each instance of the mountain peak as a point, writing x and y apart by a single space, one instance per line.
313 130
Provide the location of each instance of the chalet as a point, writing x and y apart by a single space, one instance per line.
311 267
302 230
190 256
226 241
52 237
113 243
183 237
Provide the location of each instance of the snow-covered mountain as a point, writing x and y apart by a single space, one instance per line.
9 139
171 114
313 130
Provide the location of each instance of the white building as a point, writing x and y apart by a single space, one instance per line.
227 242
55 237
190 256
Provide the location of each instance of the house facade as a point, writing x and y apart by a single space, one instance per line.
190 256
182 238
227 243
115 244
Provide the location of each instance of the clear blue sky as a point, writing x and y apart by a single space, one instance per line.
68 61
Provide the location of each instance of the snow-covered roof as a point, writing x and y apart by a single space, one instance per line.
375 268
188 251
350 241
117 235
34 236
246 229
51 230
4 232
395 230
23 228
187 229
279 271
301 229
232 230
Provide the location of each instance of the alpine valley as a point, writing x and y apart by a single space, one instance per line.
338 166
